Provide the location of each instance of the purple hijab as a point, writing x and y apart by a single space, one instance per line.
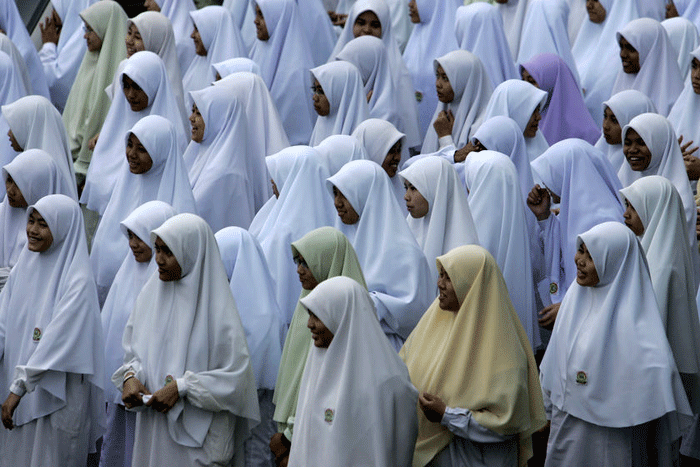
565 115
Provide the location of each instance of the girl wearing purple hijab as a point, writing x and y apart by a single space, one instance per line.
565 115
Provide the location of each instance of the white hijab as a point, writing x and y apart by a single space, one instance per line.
321 35
403 82
395 268
597 53
178 12
666 160
285 60
665 244
190 328
343 87
10 49
472 90
148 71
303 206
358 377
158 36
61 66
338 150
625 105
221 39
545 31
36 124
643 384
11 22
686 111
51 295
378 136
166 181
253 289
513 14
370 56
518 100
128 282
220 167
433 37
36 175
243 13
479 29
11 89
684 38
659 76
235 65
588 197
492 180
448 223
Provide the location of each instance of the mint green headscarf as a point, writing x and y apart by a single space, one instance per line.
329 254
88 104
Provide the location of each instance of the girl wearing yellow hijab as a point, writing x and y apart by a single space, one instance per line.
480 398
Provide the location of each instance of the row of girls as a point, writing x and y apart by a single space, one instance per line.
185 188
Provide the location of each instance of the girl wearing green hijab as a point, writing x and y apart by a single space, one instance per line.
88 104
320 254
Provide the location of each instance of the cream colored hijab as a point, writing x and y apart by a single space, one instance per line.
478 358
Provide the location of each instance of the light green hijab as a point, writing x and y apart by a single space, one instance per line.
88 104
328 253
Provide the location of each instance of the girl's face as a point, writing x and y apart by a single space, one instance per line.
321 335
416 204
533 124
141 251
611 127
443 87
596 11
197 122
695 75
629 56
321 104
94 43
39 237
260 25
526 76
636 151
137 156
13 141
632 219
306 277
14 196
447 295
151 5
198 44
367 24
413 12
134 42
586 274
168 267
135 96
346 212
392 159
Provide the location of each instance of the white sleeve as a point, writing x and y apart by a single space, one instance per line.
461 423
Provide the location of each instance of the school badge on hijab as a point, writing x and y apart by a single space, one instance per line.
328 416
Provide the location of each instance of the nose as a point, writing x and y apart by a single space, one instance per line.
406 197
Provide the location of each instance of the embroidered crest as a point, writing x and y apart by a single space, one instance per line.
169 379
553 288
36 335
581 377
419 96
328 416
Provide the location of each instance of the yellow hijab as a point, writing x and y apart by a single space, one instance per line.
478 358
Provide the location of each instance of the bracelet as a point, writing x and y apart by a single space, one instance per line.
128 377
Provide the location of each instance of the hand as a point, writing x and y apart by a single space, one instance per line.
443 123
692 167
433 407
338 19
697 225
684 147
538 201
461 154
164 398
132 392
93 142
49 31
280 446
8 409
549 315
